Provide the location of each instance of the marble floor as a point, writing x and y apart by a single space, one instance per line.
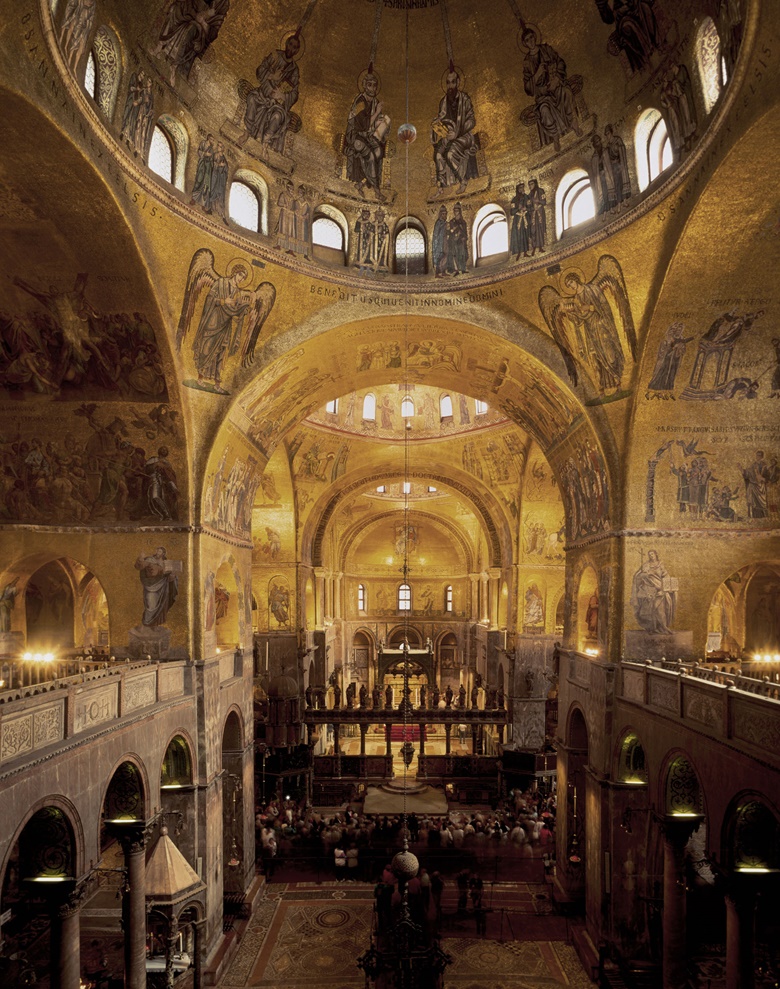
307 935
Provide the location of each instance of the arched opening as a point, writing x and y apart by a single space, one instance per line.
251 213
409 250
233 804
572 784
632 766
244 206
369 407
652 147
106 59
574 200
177 792
329 235
682 794
40 875
490 235
162 155
49 608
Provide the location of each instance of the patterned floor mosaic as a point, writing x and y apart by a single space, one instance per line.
304 936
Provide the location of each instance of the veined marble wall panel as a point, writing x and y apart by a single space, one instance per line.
139 692
94 707
31 730
756 726
704 706
662 693
633 685
227 666
170 682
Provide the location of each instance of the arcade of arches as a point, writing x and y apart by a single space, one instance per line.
316 441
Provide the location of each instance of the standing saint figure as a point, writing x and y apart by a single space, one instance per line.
160 584
76 29
618 159
7 601
667 362
267 116
439 245
366 137
537 217
452 136
519 210
285 223
201 190
654 595
457 243
228 305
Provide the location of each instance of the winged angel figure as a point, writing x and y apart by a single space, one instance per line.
584 323
227 307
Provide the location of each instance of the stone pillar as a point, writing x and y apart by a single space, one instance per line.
170 950
447 738
363 730
319 595
198 927
676 832
484 614
474 578
495 595
388 740
422 739
134 907
740 935
65 942
338 603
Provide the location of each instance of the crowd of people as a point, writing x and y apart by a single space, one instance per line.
355 846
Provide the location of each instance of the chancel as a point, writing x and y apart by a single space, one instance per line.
390 468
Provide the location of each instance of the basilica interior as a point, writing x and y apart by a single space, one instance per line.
349 359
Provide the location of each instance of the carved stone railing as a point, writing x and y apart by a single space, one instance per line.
728 707
50 713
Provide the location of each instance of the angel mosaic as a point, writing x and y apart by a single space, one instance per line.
231 307
592 324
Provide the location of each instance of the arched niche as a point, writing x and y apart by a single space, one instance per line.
126 794
309 603
233 802
588 612
176 767
503 605
178 794
752 835
631 765
682 793
49 607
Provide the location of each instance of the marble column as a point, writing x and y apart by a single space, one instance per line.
676 832
740 936
65 941
447 739
133 841
363 730
389 740
198 927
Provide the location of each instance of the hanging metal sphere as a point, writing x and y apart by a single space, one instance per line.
407 133
405 866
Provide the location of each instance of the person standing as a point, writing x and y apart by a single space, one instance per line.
519 240
537 224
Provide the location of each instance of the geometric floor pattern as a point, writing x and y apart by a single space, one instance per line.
304 935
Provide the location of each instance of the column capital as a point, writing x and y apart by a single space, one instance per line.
678 828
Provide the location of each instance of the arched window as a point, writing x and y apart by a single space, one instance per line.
361 597
409 247
480 407
329 235
369 407
381 488
407 487
90 76
161 156
175 135
491 233
244 206
712 67
177 766
407 407
404 598
254 185
448 598
445 407
332 406
632 767
653 147
574 201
